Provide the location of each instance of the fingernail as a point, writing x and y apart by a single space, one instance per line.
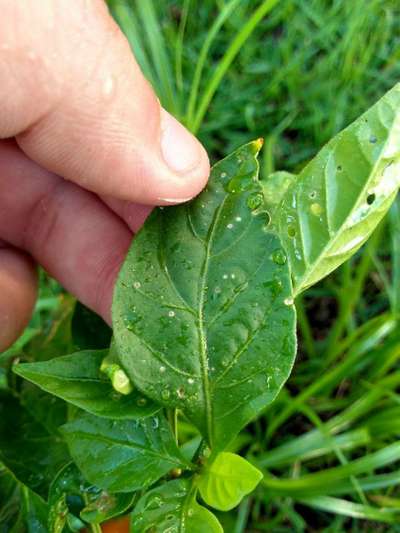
180 149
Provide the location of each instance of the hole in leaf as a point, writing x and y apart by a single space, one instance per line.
371 199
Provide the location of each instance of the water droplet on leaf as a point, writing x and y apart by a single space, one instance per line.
279 257
316 209
165 394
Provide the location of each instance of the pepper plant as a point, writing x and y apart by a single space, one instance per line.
204 337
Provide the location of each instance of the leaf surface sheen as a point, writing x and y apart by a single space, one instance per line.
202 309
339 198
77 379
172 507
227 480
122 455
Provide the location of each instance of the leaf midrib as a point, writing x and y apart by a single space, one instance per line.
203 348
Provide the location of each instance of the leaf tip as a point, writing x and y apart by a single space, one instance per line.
258 144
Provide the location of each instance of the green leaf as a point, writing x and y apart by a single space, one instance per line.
27 448
33 513
172 507
202 309
225 482
122 455
71 495
342 194
20 508
77 379
89 331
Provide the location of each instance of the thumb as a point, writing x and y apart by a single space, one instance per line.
79 105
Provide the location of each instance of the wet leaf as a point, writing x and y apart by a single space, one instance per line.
342 194
77 379
203 315
21 510
71 495
172 507
225 482
122 455
28 450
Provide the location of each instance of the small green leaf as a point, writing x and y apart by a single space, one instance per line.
225 482
77 379
172 507
339 198
202 310
131 453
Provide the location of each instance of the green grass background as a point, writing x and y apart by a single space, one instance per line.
294 72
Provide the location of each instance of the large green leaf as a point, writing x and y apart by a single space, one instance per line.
122 455
202 309
225 482
341 195
172 507
27 448
77 379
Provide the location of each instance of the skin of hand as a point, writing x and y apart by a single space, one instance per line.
85 150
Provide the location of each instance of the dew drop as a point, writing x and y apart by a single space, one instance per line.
137 285
279 257
223 175
291 231
171 314
162 369
238 219
373 139
288 301
180 393
190 381
141 402
316 209
225 276
233 276
255 200
229 226
165 394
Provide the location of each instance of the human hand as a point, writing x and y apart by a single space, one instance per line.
85 150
